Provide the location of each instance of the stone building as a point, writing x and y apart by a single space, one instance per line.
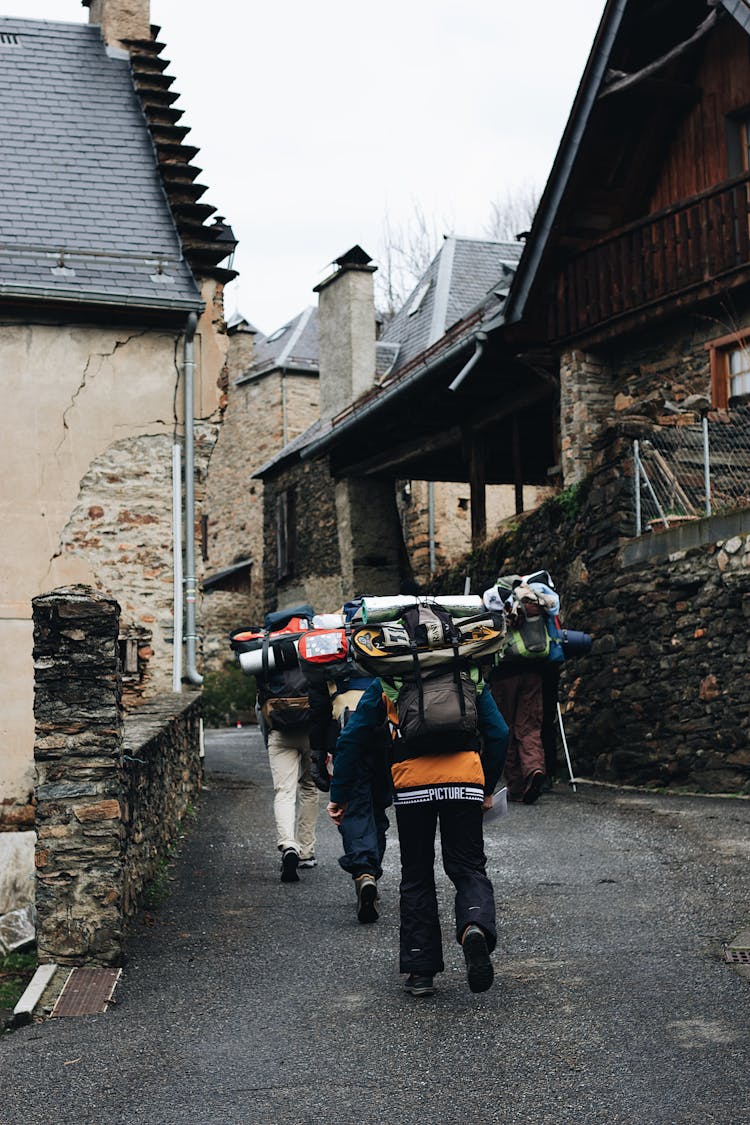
113 339
636 275
272 397
628 318
326 536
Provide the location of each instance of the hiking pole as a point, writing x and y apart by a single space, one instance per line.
565 744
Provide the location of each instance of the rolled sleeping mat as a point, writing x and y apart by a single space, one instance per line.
389 609
281 657
575 643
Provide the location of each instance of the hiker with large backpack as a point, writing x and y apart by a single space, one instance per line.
285 712
447 751
517 681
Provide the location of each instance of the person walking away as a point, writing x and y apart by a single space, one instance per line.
437 778
517 683
285 708
364 825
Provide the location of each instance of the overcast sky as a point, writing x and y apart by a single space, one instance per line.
315 120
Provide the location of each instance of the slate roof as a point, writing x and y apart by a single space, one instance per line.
459 277
292 346
84 215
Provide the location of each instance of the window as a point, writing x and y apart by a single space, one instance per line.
285 532
730 368
738 143
738 361
419 296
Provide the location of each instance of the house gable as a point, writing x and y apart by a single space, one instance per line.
648 135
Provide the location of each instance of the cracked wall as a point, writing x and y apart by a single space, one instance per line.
90 416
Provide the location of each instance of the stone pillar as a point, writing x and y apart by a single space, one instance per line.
586 403
80 834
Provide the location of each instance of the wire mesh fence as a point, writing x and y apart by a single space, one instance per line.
692 469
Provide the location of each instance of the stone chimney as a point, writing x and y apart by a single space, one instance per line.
120 19
346 332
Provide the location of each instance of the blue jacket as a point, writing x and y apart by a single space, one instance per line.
371 713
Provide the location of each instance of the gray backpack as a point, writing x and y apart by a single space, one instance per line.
437 710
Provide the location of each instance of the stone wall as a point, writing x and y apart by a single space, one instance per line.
669 361
316 576
108 806
662 699
452 519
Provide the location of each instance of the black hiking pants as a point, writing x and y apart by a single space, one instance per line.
421 948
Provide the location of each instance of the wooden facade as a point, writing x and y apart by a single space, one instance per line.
656 215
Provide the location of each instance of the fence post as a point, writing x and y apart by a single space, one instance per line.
706 467
637 480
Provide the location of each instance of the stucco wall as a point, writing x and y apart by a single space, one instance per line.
86 465
452 516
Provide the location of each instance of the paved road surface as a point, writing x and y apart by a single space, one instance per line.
249 1001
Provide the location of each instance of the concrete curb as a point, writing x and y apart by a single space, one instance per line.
23 1012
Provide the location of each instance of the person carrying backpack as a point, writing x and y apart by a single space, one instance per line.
363 828
285 712
517 681
440 722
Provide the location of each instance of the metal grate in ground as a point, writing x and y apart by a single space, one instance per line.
737 956
87 992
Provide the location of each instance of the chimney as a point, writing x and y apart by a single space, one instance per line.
120 19
346 332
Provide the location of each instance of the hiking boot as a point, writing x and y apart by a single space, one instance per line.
367 893
289 865
479 971
419 984
308 861
533 788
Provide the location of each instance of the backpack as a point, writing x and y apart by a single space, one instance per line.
285 703
437 713
528 636
437 710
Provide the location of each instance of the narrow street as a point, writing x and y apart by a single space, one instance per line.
248 1001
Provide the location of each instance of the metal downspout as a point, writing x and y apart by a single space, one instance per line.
481 339
191 672
177 568
431 524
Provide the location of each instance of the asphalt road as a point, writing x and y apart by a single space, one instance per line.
248 1001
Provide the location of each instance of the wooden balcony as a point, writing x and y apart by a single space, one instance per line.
694 246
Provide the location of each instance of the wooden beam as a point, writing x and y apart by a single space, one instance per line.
396 455
631 80
517 469
477 480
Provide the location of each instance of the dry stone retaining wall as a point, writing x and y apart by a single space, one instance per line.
662 699
110 794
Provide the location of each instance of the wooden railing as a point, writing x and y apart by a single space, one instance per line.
662 256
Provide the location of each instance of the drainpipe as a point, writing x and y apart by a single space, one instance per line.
177 567
481 339
431 524
191 672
